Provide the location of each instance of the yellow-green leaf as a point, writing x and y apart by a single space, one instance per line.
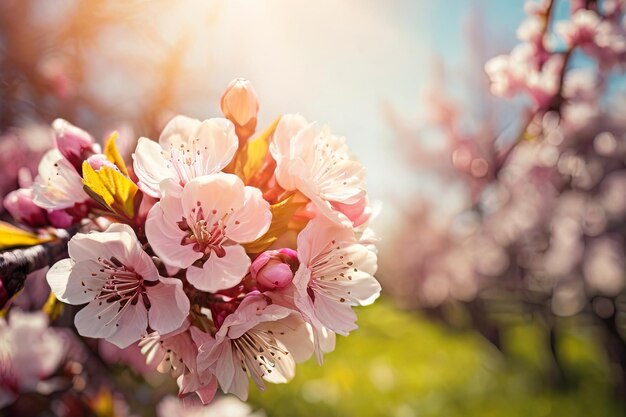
112 189
256 151
113 154
12 236
53 307
282 214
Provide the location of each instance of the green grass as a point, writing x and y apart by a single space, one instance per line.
400 364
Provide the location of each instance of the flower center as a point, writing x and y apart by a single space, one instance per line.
207 233
186 160
122 286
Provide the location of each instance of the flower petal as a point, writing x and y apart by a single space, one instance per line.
97 319
178 130
253 220
217 143
169 305
165 239
150 166
220 273
133 323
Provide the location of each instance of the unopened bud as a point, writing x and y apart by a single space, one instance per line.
60 219
240 105
274 269
20 205
75 144
99 161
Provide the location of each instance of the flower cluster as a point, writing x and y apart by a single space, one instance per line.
536 65
222 255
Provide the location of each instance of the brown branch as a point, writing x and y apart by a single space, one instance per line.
16 264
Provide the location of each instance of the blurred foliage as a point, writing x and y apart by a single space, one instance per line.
402 364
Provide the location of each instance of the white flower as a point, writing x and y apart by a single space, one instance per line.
202 226
123 289
187 148
58 185
319 165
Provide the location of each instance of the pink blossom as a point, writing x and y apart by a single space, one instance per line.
581 29
176 353
58 185
21 206
319 165
206 222
520 72
260 340
121 286
29 352
98 161
73 143
531 30
274 268
335 273
187 148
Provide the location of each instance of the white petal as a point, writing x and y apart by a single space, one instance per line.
253 220
217 143
133 323
150 166
288 127
58 279
165 239
178 130
220 192
96 319
169 306
220 273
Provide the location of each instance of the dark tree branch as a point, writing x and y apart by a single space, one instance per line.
16 264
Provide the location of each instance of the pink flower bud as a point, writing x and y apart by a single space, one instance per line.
21 206
60 219
99 160
240 103
75 144
274 269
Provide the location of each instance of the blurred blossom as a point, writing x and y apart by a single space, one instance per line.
20 205
551 210
30 352
20 152
227 406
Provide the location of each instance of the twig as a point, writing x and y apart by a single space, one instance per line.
15 265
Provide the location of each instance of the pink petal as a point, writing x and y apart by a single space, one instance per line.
97 319
253 220
64 288
150 166
220 192
217 142
169 305
133 323
178 130
165 239
220 273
